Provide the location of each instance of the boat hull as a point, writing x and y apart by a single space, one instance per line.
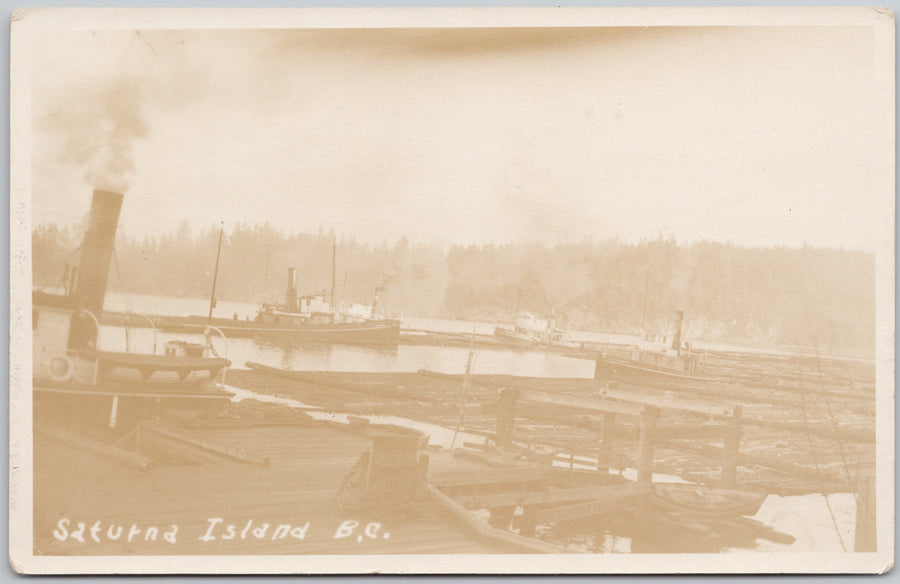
374 333
611 366
706 500
509 337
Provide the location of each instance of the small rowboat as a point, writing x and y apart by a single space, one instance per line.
707 500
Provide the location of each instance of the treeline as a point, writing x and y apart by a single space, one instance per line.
776 295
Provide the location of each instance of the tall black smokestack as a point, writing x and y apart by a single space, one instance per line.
676 340
290 297
96 254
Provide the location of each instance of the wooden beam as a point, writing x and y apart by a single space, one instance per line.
667 403
487 532
226 451
521 499
612 501
582 403
456 478
112 452
692 432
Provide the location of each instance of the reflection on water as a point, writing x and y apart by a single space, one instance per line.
322 357
170 306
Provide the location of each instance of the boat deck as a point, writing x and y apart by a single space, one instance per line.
306 466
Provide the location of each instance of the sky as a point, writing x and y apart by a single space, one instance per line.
755 135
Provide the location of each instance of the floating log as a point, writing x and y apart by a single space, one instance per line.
745 459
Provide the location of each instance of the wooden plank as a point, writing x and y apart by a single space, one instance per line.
83 443
177 391
520 498
451 478
492 533
582 403
668 403
226 451
693 432
612 500
494 458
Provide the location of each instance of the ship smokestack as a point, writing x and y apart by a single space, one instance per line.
290 297
96 251
96 255
676 340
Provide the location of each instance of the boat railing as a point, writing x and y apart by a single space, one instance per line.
148 319
97 328
212 348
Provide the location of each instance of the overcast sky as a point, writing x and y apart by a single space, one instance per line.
757 135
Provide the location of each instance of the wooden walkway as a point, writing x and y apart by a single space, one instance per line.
284 507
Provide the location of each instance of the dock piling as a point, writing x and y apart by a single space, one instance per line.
506 413
731 448
606 439
646 445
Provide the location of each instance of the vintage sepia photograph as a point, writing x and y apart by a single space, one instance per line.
452 290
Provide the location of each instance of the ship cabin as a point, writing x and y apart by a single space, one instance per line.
541 329
297 311
657 351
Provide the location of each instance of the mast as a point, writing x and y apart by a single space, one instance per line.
333 268
212 295
266 280
644 308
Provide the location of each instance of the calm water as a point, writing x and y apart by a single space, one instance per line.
320 357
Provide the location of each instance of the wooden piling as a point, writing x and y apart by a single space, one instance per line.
731 448
506 413
606 439
646 445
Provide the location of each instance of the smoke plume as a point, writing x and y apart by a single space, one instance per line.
98 128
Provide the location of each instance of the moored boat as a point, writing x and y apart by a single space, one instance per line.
707 500
76 382
655 355
532 331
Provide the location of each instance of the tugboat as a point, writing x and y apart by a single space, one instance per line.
304 319
532 331
312 318
655 356
75 382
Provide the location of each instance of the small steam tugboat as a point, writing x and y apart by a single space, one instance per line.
303 319
75 382
532 331
655 356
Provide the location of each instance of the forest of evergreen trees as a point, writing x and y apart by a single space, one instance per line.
775 295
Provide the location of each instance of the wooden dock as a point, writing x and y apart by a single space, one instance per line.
296 488
263 478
